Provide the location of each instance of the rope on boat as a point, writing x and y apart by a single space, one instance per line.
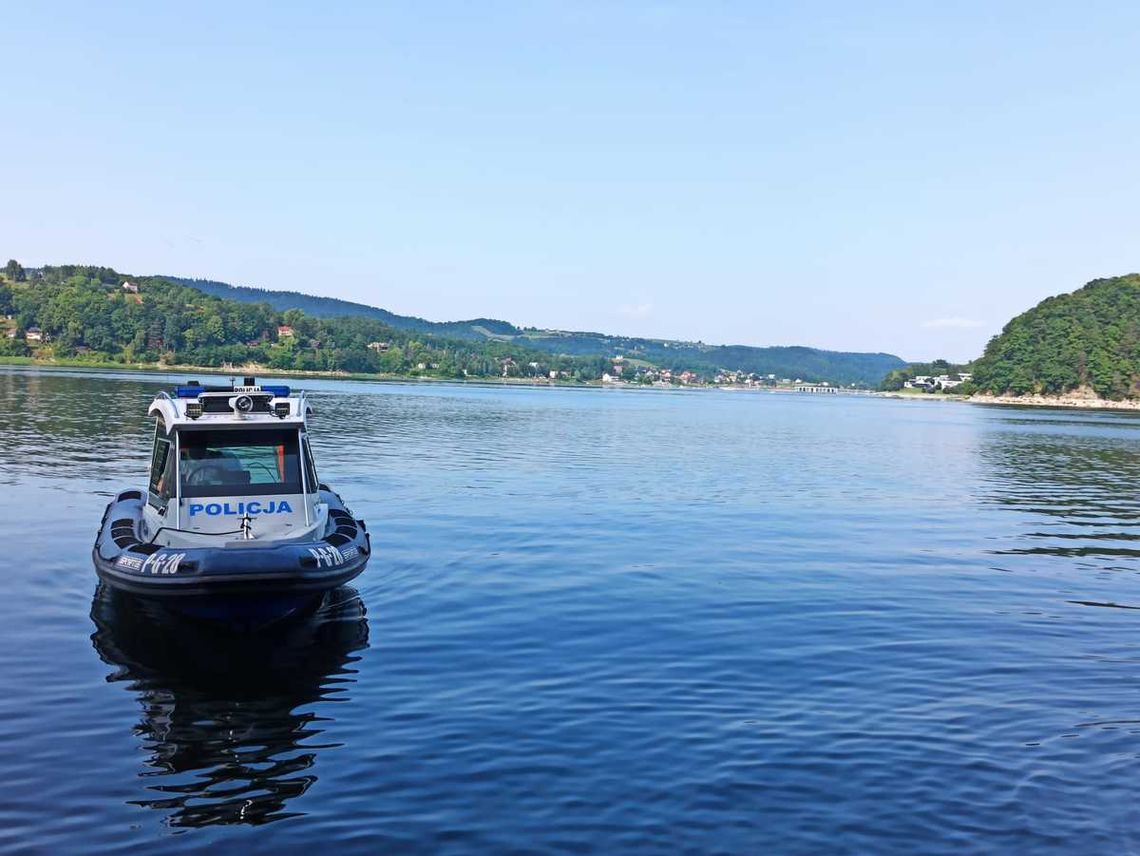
162 529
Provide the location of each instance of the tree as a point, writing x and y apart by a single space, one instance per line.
15 271
16 347
1089 338
82 306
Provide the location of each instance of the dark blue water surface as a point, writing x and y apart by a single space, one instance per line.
598 621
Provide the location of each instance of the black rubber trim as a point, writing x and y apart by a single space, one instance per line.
263 585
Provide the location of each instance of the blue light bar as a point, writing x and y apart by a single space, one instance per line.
193 390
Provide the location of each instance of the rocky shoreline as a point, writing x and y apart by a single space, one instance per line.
1076 400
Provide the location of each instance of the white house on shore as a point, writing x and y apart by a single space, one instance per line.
930 383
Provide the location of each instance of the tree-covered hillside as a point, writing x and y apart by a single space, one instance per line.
784 362
1089 338
332 307
99 314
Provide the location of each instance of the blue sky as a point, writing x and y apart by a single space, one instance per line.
901 177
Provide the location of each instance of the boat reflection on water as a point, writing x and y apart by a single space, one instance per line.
228 721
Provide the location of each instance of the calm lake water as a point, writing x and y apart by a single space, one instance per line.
598 621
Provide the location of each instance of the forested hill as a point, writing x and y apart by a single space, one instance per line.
1088 339
782 361
332 307
98 314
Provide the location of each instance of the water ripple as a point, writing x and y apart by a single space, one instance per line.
598 622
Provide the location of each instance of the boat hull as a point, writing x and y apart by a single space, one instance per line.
245 581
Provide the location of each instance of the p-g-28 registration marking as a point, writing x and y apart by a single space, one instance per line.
327 557
163 563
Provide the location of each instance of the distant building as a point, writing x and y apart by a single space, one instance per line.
379 346
130 288
34 334
817 388
284 330
944 382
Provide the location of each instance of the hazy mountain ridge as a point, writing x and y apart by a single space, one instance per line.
332 307
793 361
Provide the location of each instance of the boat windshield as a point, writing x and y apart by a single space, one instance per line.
239 462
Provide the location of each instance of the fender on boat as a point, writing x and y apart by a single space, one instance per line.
283 570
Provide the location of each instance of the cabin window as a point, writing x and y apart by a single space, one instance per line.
161 486
310 469
239 463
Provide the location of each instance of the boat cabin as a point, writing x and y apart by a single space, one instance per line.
231 463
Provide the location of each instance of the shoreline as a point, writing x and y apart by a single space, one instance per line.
1065 402
1062 402
1057 402
920 396
259 370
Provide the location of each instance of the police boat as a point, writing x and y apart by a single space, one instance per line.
234 523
